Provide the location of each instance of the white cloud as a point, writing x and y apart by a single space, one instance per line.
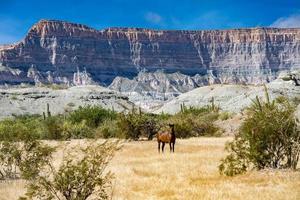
153 18
292 21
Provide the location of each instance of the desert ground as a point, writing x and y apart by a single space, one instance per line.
189 173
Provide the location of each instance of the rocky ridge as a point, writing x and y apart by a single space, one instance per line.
150 89
61 48
33 100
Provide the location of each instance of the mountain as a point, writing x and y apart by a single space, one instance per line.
56 50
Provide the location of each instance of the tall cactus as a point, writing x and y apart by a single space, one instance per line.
267 94
48 111
113 109
182 107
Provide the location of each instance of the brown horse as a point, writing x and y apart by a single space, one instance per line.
167 137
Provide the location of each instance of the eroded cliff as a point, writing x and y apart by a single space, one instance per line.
61 48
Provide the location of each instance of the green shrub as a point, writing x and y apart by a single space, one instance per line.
34 156
23 159
194 110
78 178
238 161
53 128
19 129
225 116
268 138
93 115
133 126
183 127
194 122
9 160
109 129
194 126
76 131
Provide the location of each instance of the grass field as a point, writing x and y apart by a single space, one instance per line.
190 173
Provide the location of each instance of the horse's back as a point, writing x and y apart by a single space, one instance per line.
164 137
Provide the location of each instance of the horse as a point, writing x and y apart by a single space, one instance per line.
167 137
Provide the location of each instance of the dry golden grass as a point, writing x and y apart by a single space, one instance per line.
190 173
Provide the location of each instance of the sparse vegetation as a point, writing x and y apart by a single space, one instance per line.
134 126
92 121
109 129
225 115
268 138
23 159
93 115
76 178
77 130
194 122
19 129
14 97
191 173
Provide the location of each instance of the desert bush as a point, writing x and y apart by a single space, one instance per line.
9 160
109 129
194 126
225 115
52 128
193 110
268 138
23 159
194 122
21 128
239 160
133 126
76 178
34 155
76 131
93 115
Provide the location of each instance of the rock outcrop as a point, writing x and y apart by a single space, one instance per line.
33 100
239 55
232 98
158 85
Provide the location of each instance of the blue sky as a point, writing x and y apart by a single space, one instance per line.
17 16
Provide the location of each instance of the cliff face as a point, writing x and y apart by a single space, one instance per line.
62 48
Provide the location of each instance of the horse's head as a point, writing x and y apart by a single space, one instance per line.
171 125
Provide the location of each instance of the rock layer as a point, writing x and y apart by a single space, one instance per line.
61 48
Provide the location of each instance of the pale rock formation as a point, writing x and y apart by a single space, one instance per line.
33 100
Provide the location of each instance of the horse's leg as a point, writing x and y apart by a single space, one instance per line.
173 147
158 146
170 146
163 146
